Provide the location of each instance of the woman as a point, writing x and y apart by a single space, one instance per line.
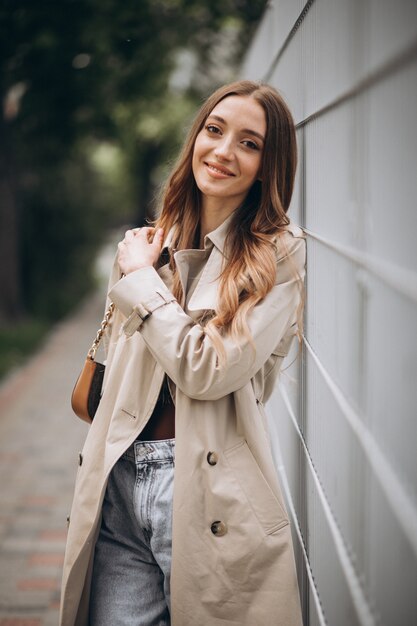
206 310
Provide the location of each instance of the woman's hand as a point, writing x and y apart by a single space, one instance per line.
141 247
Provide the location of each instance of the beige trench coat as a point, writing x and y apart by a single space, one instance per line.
245 575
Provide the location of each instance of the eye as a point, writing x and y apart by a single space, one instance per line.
211 128
250 144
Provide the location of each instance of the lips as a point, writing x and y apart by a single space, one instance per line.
219 169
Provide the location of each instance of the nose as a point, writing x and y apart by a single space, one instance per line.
224 148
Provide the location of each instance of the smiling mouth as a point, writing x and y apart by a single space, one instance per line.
219 169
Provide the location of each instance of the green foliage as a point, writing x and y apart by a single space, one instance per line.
96 103
19 341
60 232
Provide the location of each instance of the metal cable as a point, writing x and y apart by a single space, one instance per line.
404 281
384 71
399 500
296 526
359 600
290 35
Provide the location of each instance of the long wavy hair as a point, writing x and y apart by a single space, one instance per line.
249 271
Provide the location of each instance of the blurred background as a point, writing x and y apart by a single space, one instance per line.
96 98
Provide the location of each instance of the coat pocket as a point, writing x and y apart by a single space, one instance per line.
266 507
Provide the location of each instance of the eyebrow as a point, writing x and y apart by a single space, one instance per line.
248 131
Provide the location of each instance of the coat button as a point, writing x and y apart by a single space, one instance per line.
68 521
80 458
218 528
212 458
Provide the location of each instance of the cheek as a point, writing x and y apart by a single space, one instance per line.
253 169
196 153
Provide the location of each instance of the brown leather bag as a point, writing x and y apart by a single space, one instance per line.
86 394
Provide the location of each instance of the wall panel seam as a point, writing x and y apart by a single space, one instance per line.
399 278
400 502
297 526
359 600
287 40
396 63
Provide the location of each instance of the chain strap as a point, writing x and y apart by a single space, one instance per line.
106 320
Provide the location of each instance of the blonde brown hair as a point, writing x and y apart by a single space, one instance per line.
250 271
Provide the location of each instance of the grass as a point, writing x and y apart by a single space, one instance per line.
18 342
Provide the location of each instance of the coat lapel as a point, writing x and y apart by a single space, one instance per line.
206 291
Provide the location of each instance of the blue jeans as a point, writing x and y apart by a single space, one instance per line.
132 560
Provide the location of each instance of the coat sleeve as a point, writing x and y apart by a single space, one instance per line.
181 346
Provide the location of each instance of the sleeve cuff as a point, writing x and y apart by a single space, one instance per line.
137 295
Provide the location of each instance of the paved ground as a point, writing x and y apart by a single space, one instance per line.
39 442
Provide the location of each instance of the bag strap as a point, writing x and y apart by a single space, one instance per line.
106 320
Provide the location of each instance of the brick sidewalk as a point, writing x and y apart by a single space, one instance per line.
39 442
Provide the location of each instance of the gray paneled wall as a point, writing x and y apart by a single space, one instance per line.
344 420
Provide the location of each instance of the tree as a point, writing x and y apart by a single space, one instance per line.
75 74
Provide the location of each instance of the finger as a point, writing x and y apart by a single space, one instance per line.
158 238
146 232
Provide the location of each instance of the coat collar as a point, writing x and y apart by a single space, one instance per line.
216 237
206 290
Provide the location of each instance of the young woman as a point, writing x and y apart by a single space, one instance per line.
207 304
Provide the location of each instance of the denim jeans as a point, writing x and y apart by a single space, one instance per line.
132 560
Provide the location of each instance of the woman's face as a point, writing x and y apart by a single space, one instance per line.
228 150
